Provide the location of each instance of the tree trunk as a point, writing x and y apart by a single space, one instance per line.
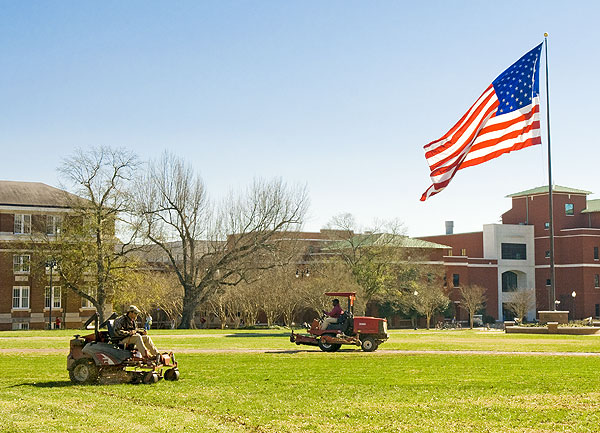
190 304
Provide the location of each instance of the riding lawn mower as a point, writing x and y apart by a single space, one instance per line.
363 331
99 357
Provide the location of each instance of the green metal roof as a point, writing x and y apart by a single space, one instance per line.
544 189
592 206
384 239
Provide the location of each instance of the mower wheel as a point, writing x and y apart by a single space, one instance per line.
84 372
328 347
368 344
172 374
150 377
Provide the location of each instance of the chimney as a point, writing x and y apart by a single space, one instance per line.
449 227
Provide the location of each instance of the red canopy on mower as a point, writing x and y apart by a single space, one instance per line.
350 295
344 294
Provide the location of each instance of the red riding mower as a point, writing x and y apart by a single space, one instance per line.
366 332
100 357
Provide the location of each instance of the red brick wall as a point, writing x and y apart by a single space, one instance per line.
537 208
7 223
472 242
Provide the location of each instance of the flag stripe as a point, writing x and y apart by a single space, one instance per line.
504 135
464 122
454 146
498 126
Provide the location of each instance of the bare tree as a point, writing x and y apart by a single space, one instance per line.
429 297
248 301
151 289
521 302
90 256
372 256
194 234
330 276
217 305
473 299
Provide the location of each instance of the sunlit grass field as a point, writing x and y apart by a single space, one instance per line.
407 340
229 384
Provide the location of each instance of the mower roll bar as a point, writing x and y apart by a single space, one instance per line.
96 318
350 295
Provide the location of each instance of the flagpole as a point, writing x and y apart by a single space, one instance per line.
552 299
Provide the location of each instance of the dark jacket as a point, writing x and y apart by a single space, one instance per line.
123 325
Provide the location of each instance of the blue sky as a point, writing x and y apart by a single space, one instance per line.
338 95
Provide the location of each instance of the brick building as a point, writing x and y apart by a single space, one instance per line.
515 255
30 213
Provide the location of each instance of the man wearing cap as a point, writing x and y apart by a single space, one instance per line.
127 332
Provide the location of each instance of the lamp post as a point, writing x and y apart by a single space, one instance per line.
51 264
304 273
573 294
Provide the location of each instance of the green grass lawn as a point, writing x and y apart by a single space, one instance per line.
279 339
281 391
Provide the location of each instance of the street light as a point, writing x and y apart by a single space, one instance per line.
414 317
303 274
51 264
573 294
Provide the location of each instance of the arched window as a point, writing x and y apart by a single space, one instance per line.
509 281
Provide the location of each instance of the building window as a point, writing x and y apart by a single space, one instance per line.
569 210
509 281
55 297
21 264
52 224
597 281
463 252
20 297
548 282
546 225
596 253
455 280
449 253
514 251
22 224
507 313
547 254
85 303
597 311
20 326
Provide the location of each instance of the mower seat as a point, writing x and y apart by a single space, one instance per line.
113 337
342 324
111 330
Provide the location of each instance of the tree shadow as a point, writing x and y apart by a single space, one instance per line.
256 334
315 350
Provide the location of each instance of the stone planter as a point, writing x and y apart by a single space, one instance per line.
561 317
553 328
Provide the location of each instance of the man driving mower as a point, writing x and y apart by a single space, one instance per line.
333 315
127 332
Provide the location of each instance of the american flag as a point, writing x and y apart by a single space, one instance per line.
506 117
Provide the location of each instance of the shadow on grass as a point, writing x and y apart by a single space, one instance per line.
50 384
256 334
315 350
